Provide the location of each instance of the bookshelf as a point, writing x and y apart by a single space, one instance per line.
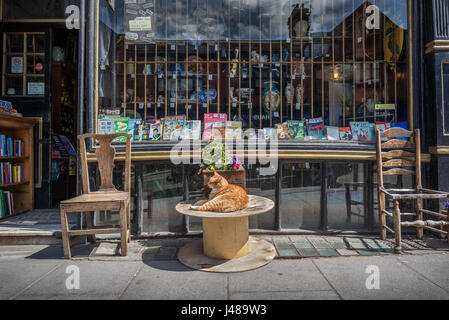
19 128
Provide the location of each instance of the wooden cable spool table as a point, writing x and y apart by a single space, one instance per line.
226 245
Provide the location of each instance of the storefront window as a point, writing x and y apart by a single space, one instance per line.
261 63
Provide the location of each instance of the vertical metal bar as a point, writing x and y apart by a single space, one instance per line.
324 212
91 65
185 179
139 196
277 200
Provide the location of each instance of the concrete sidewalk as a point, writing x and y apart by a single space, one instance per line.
39 272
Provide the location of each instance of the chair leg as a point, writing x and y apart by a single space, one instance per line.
419 215
65 235
348 203
397 227
382 218
90 225
123 230
128 212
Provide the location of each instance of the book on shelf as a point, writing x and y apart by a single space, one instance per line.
282 131
121 125
296 129
381 127
332 133
209 120
106 126
11 173
270 134
6 204
315 128
156 129
133 128
233 130
192 130
360 130
345 134
173 128
219 130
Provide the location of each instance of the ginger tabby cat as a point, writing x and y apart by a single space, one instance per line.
224 197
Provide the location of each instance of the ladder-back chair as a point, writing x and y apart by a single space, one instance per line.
403 157
106 198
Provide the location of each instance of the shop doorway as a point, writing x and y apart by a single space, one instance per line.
64 106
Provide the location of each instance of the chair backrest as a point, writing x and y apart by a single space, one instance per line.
397 156
105 155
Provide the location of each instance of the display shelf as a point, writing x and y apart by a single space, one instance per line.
23 129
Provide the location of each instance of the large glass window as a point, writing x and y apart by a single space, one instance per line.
261 62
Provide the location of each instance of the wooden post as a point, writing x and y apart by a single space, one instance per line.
397 227
380 184
225 238
418 202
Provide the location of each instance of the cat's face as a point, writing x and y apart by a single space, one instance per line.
215 181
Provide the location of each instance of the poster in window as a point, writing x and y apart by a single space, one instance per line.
36 88
17 65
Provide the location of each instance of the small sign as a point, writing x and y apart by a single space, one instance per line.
172 105
189 107
39 67
211 77
234 105
204 105
173 47
36 88
276 114
17 65
288 40
140 24
385 106
298 106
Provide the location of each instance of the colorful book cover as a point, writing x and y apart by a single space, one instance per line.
270 134
133 128
219 130
156 131
372 132
173 128
233 130
345 134
121 125
382 126
145 131
332 133
296 129
360 130
192 130
315 128
282 131
106 126
209 120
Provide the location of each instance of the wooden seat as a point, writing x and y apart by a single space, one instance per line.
403 157
107 197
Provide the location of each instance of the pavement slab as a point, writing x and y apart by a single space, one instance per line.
396 281
97 278
171 280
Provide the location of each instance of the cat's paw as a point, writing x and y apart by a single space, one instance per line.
194 207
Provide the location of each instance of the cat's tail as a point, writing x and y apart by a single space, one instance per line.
213 205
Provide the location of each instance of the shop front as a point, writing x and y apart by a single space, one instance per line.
295 88
316 76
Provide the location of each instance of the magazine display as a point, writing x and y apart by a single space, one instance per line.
173 128
360 130
296 129
315 128
209 120
192 130
282 131
233 130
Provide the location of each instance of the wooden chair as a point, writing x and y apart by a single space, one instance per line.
397 159
106 198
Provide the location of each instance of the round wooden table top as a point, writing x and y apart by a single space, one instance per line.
257 205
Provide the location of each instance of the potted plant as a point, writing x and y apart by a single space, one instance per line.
216 156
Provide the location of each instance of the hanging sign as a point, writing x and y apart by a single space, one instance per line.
17 65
